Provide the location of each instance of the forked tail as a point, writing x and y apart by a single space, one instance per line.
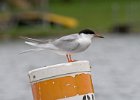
31 50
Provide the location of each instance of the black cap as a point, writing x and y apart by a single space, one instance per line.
87 31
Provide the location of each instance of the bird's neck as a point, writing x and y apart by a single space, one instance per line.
85 36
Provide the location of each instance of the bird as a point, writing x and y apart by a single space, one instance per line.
65 45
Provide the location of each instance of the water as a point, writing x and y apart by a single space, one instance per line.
115 60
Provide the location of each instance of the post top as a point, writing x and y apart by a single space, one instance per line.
58 70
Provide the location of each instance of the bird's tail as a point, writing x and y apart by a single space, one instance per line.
32 43
35 42
31 50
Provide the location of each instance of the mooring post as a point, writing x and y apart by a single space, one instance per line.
66 81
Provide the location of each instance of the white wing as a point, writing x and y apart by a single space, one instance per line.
67 43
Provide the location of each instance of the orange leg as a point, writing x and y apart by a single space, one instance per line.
69 59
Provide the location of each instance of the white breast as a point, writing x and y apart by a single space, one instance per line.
84 44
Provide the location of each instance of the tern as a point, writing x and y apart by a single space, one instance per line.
66 45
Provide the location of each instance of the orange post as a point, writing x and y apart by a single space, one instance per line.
67 81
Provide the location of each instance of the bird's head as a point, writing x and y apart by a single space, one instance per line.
89 33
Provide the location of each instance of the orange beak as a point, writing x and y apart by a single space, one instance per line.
99 36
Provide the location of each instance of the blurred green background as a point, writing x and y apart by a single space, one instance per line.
115 59
103 16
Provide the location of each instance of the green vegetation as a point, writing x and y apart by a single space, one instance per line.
100 15
96 14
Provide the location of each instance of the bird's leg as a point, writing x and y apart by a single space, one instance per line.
68 59
71 60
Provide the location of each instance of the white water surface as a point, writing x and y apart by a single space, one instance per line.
115 60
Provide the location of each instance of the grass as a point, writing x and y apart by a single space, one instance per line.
98 15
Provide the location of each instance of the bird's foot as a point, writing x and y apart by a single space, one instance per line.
72 60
